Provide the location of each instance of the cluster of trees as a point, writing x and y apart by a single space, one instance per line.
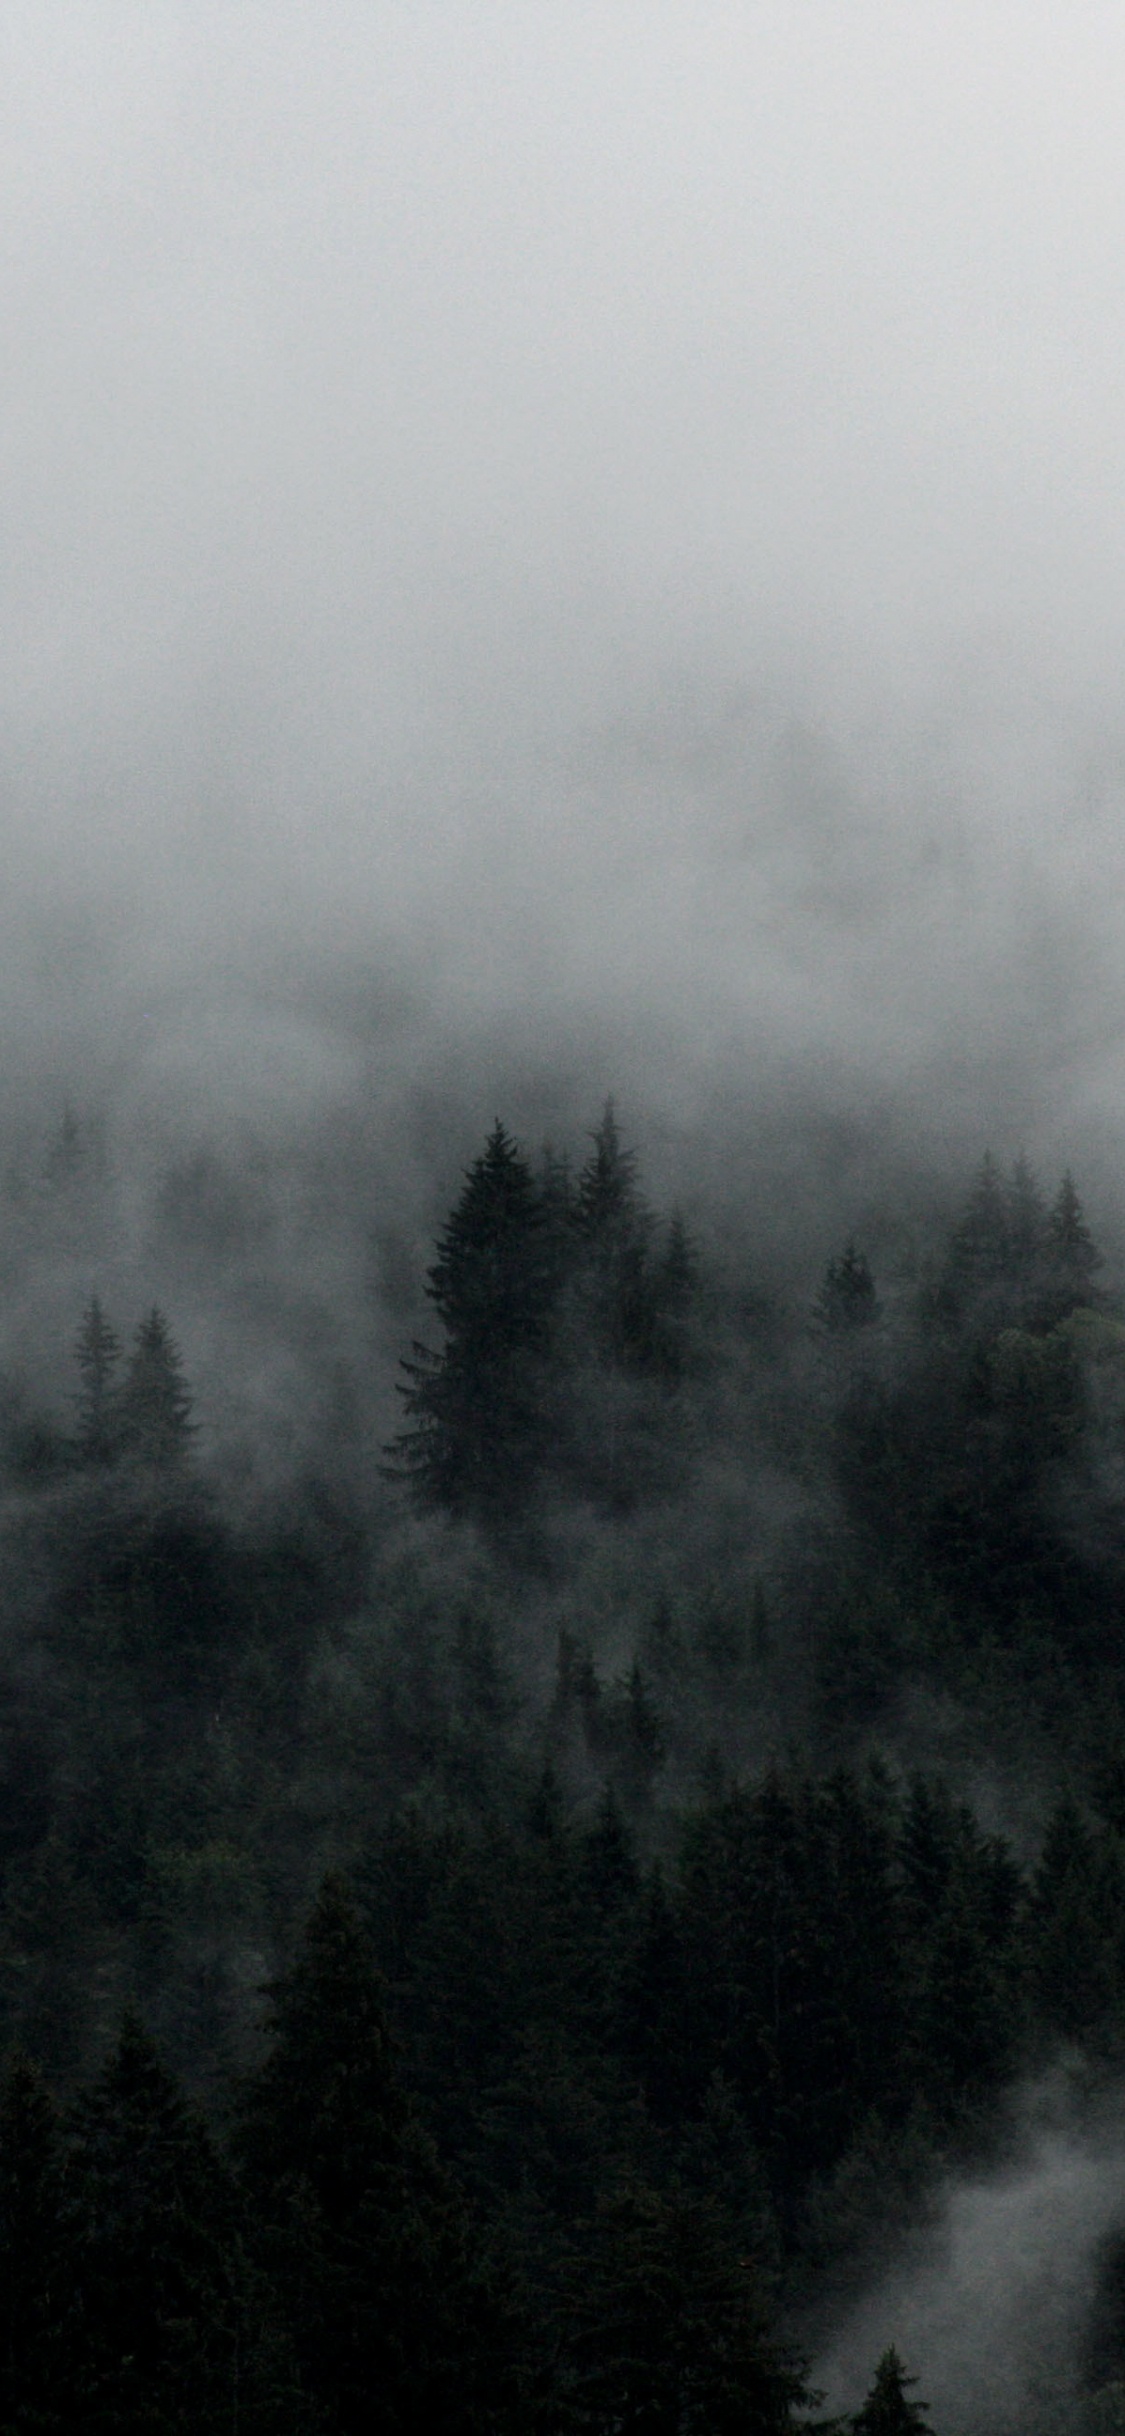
821 1976
318 2269
557 1296
314 2270
976 1462
140 1408
1011 1254
657 2040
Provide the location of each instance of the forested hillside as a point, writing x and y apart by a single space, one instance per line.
508 1918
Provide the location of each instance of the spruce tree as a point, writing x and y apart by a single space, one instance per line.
36 2296
363 2239
1075 1925
1027 1218
614 1230
847 1299
610 1877
979 1252
477 1426
888 2410
664 2326
1072 1254
675 1287
97 1352
157 2332
155 1404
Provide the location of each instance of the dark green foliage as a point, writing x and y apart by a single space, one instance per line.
36 2274
565 1332
888 2410
794 1963
1076 1927
359 2232
1072 1257
671 1352
653 2003
961 1899
614 1229
156 2339
154 1411
664 2328
1009 1260
847 1298
1027 1219
97 1353
476 1417
979 1254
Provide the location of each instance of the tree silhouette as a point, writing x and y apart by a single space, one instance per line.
847 1298
888 2410
666 2329
1070 1247
153 2234
476 1423
614 1228
979 1250
361 2235
36 2295
155 1404
97 1352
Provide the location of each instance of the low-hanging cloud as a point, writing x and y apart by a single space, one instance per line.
996 2319
571 547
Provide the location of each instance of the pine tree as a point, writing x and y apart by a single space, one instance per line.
36 2302
979 1252
155 1404
97 1352
655 2031
614 1230
66 1151
1027 1218
1071 1251
675 1286
152 2226
364 2241
610 1877
1075 1925
847 1298
608 1203
665 2329
556 1200
888 2410
477 1430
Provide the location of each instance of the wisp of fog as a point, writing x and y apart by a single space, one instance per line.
551 553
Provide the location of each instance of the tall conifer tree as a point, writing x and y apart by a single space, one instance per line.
98 1353
365 2242
888 2410
476 1422
1070 1247
614 1229
157 2332
666 2328
847 1298
36 2285
156 1404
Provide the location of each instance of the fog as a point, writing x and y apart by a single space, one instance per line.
603 527
998 2316
551 553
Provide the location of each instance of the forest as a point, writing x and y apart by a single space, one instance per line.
516 1901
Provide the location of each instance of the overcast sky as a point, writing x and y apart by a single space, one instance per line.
623 501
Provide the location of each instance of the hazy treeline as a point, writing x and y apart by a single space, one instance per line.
712 1698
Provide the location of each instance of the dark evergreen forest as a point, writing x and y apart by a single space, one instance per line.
536 1839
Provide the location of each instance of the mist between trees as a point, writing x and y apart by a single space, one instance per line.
521 1897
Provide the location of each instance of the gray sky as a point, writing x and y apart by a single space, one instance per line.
623 501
